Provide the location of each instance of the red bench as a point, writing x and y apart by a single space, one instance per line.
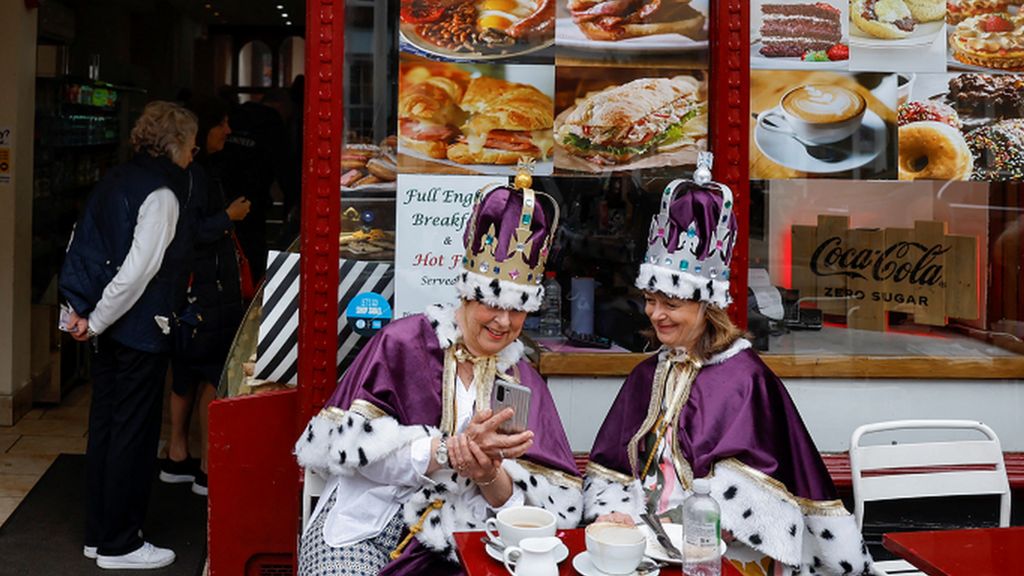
838 465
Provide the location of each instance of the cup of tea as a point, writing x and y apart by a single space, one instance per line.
514 524
817 113
615 548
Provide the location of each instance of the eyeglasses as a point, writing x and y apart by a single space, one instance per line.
195 150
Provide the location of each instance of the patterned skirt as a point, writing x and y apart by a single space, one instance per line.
365 558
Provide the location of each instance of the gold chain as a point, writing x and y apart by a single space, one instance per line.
416 528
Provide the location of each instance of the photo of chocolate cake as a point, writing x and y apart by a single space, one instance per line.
795 29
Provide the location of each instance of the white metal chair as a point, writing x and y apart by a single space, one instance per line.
312 488
978 468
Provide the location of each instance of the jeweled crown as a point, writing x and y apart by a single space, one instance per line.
510 234
695 230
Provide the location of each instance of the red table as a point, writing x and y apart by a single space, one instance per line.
478 563
978 552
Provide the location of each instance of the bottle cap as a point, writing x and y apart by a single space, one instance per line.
549 274
701 486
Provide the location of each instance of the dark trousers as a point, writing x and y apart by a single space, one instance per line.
124 431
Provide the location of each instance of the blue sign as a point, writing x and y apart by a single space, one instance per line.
367 313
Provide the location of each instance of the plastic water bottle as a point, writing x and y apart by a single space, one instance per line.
702 533
551 308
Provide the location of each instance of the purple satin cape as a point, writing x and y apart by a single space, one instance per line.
736 409
400 371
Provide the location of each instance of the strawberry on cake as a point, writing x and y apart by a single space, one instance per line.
990 40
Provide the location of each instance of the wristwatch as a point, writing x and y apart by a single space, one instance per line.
441 455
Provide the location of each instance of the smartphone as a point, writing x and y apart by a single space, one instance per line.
515 396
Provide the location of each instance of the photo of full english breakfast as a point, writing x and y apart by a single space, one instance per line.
477 29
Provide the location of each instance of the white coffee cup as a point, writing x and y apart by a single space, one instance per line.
615 548
817 113
514 524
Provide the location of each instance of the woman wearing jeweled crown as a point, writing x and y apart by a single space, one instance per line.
706 406
407 441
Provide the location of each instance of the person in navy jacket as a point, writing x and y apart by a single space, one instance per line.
122 279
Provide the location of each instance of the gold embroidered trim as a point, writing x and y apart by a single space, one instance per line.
806 505
554 476
674 377
448 383
366 409
595 469
333 413
416 528
653 410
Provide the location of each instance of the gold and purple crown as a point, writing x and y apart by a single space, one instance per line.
507 240
691 240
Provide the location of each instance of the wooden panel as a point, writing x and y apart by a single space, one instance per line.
930 233
962 278
787 366
894 236
831 227
802 248
865 311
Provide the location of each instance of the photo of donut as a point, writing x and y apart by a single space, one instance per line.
831 124
963 127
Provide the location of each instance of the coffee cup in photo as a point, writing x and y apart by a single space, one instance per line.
904 87
816 113
615 548
514 524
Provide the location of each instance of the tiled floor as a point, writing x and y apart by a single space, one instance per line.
29 447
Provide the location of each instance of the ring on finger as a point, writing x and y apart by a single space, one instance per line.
501 453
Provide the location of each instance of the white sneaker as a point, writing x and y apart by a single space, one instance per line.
147 557
90 552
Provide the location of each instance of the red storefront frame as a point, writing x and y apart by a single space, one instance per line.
254 480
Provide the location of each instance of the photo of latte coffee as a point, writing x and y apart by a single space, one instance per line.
823 122
822 104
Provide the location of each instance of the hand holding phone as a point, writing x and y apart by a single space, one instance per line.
515 396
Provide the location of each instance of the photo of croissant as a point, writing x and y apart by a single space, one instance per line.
472 119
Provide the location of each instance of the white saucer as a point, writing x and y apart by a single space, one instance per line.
581 562
869 141
561 553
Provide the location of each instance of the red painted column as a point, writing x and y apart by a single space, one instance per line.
729 94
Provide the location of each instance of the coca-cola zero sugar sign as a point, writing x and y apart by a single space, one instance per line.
863 273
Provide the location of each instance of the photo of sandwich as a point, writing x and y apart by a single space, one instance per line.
508 121
644 122
643 26
429 115
474 118
477 29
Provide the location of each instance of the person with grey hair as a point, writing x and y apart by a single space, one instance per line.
123 277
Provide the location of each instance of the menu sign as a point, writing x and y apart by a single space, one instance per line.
431 213
863 273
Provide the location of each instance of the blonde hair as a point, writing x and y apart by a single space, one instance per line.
164 129
718 335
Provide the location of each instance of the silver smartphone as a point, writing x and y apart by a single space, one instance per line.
515 396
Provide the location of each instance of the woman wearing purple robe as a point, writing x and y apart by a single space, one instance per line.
407 442
706 406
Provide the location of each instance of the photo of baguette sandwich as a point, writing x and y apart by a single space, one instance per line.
644 120
508 121
613 20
